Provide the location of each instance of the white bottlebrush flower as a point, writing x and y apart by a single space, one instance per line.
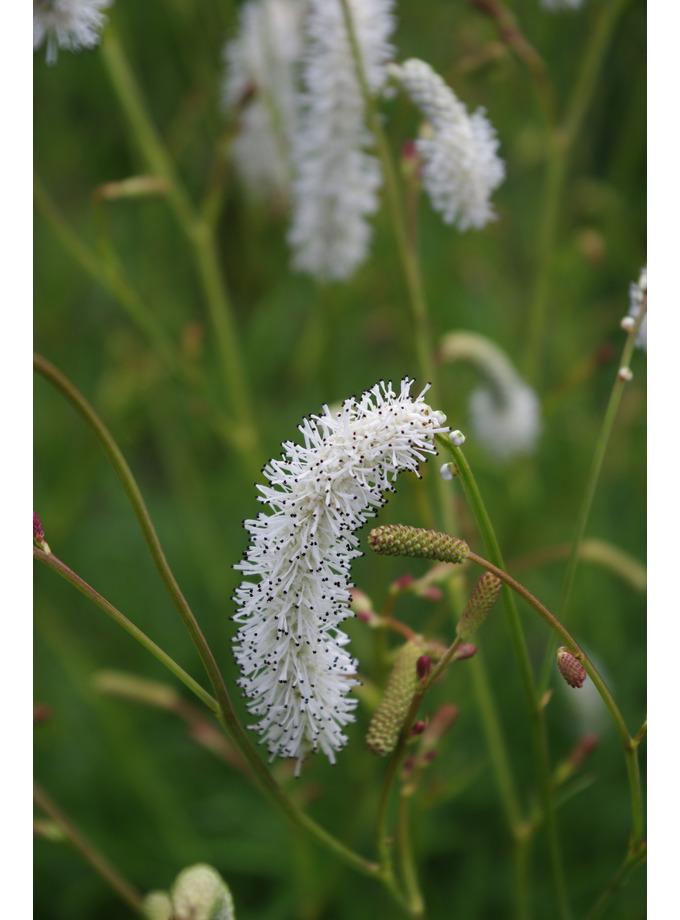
337 180
460 165
296 669
638 299
67 24
505 411
260 63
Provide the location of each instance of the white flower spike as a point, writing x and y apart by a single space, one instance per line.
337 180
460 164
296 670
261 60
68 24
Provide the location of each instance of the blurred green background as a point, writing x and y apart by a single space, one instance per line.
131 777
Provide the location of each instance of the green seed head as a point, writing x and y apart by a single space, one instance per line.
416 542
402 685
481 600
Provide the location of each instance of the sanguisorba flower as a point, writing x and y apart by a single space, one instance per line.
260 79
461 167
296 669
638 299
557 5
337 180
67 24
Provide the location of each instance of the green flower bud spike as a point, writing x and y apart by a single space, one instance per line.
200 893
484 595
402 685
416 542
570 667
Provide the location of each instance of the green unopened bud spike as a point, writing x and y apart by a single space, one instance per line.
416 542
484 595
402 685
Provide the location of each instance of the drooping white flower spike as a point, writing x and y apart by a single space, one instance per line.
505 411
295 666
337 180
460 165
638 299
260 62
68 24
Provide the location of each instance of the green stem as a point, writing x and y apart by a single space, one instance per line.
633 859
629 747
52 562
408 258
596 465
414 896
200 236
110 276
99 863
226 713
535 709
560 143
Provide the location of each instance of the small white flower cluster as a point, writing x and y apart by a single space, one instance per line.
67 24
460 163
505 411
260 61
337 180
638 298
296 669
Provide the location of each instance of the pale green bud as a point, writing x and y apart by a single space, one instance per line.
200 893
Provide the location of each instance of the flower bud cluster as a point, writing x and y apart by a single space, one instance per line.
482 598
416 542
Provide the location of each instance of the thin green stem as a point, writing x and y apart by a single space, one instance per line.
200 236
629 747
226 713
633 859
414 895
89 852
109 274
560 144
535 709
408 258
52 562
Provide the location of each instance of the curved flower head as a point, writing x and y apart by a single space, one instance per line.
337 181
296 669
460 164
504 411
260 61
67 24
638 299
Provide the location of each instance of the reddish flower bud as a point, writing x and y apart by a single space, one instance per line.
418 727
423 667
38 535
583 750
570 667
402 582
465 650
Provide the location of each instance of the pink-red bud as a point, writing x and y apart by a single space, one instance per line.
423 667
570 667
418 727
464 650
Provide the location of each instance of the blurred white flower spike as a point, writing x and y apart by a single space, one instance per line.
337 180
638 301
559 5
70 25
461 167
260 63
296 670
505 412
